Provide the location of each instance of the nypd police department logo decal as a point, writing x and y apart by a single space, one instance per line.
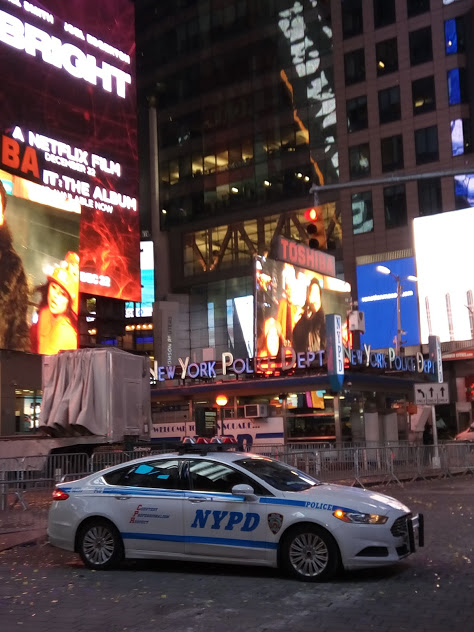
275 520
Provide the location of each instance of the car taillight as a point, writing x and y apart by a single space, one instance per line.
58 494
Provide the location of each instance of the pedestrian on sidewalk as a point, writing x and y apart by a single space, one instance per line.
427 443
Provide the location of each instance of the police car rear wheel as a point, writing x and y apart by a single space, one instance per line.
310 554
100 545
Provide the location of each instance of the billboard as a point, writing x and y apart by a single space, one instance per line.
68 154
377 296
144 309
445 281
291 304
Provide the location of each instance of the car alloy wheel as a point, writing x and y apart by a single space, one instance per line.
100 545
309 553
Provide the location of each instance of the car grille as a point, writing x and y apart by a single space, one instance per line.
373 551
399 528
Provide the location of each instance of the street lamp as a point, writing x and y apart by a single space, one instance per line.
221 401
399 280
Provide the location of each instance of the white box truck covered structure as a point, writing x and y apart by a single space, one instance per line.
90 397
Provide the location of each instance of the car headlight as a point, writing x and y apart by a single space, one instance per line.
359 518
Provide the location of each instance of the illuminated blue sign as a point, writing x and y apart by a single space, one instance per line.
377 296
145 308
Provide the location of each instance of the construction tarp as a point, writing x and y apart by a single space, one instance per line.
102 392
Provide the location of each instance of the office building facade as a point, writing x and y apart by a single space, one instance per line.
254 111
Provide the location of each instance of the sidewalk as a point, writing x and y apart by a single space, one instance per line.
19 526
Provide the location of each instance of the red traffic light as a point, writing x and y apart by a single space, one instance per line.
311 214
315 227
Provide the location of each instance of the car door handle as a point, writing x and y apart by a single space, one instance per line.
122 497
199 500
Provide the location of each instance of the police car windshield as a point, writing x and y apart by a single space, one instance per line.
278 475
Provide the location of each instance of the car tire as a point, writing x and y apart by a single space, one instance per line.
309 553
99 545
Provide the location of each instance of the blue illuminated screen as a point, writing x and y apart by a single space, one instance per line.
145 308
377 296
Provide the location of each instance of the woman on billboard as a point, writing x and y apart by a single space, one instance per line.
14 289
268 346
56 329
309 333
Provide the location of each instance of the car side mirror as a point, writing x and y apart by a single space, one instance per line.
244 490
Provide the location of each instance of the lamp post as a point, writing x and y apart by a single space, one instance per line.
221 401
399 280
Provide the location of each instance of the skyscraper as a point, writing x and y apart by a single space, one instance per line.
265 108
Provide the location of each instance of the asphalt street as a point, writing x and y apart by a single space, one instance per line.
42 588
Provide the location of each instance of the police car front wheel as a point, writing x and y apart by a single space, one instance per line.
99 544
309 553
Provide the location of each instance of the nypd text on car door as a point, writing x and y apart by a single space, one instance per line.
218 523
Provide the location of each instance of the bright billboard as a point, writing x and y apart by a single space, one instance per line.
144 309
68 152
446 276
377 297
291 304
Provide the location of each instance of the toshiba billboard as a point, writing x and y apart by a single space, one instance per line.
68 153
291 304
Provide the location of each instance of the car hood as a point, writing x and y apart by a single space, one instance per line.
362 500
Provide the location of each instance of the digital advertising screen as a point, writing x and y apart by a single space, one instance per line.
377 296
446 277
242 316
68 158
144 309
291 304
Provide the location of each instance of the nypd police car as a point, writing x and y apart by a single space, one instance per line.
230 507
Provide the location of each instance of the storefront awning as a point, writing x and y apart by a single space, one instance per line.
352 381
460 354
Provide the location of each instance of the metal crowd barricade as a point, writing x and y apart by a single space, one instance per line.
10 482
335 465
458 457
37 473
408 462
355 465
352 465
101 460
375 464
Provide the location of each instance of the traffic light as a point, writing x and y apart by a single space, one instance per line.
315 229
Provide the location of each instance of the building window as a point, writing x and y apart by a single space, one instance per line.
463 190
354 66
455 35
359 160
416 7
392 153
426 145
362 213
461 137
429 196
457 86
423 95
357 118
384 13
395 205
421 48
386 54
389 105
352 19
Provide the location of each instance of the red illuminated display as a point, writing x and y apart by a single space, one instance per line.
68 117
